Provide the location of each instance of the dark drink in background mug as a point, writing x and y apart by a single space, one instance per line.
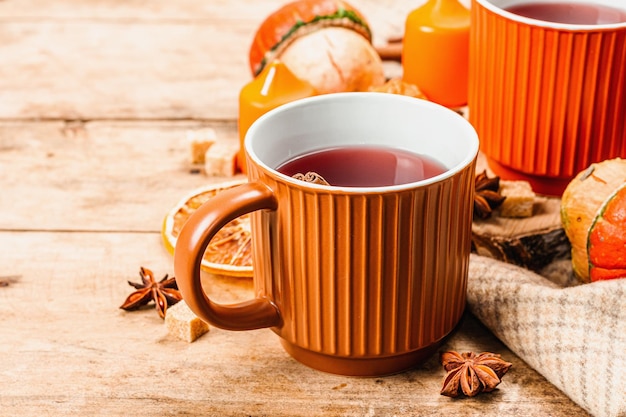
573 13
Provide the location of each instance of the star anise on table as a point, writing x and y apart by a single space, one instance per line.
471 374
164 293
487 196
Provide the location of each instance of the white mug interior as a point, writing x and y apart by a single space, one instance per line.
499 6
366 119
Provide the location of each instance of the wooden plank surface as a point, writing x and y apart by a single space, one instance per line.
96 98
109 176
150 60
66 347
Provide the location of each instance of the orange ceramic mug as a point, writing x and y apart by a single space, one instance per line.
356 280
547 93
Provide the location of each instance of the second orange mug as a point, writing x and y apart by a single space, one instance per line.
548 98
355 280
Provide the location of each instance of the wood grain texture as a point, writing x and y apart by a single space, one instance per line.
142 59
67 348
96 98
116 176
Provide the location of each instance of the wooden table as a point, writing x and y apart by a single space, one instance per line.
96 98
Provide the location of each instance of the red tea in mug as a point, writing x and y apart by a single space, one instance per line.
364 166
570 13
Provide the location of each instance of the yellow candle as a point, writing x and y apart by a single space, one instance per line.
435 51
274 86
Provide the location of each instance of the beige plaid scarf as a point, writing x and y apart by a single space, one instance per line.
574 335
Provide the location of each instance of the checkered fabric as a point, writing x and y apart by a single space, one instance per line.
573 334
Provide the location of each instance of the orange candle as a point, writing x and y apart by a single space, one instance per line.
435 51
274 86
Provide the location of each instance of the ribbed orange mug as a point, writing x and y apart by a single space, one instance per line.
356 280
547 93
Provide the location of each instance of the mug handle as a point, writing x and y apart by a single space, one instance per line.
193 240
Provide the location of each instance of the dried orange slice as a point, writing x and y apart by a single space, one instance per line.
229 252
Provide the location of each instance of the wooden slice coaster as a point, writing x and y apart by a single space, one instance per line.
532 242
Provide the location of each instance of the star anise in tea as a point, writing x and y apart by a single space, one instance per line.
487 196
164 293
313 177
471 374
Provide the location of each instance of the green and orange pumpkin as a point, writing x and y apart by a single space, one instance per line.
327 43
593 213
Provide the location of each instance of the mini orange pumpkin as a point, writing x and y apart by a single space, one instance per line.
607 239
327 43
593 213
299 17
